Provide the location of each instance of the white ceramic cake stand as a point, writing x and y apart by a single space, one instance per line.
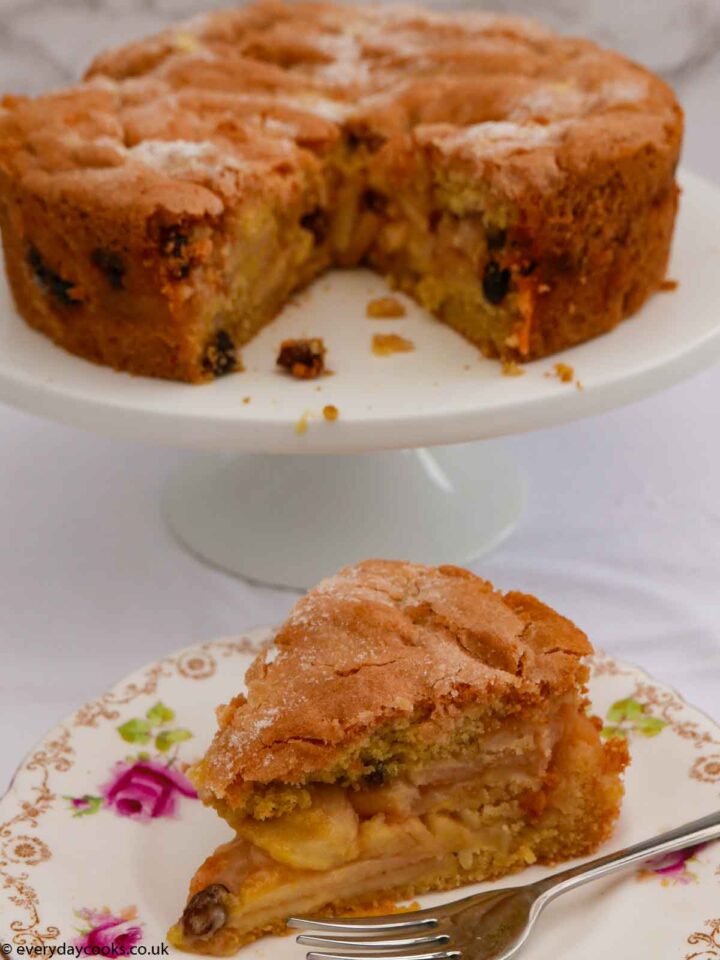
289 519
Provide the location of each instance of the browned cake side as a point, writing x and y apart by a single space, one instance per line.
519 184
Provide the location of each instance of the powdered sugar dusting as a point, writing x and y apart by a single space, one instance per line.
551 101
178 157
348 66
263 721
497 138
162 152
334 110
281 128
562 100
616 92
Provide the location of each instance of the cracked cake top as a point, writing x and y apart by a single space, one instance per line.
385 641
222 103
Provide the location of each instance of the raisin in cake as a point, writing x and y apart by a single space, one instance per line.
410 729
517 183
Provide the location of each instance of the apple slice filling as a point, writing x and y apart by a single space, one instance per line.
348 842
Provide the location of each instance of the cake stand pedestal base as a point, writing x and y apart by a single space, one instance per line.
290 520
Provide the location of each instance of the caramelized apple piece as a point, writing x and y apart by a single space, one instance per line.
320 838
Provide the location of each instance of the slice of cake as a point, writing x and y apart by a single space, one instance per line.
517 183
410 729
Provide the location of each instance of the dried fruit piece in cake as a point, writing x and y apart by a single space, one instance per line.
410 729
304 359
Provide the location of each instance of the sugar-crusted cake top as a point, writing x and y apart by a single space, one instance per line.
378 643
273 85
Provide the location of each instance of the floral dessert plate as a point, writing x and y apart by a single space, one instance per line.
101 827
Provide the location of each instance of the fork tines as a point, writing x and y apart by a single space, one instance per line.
366 926
356 946
375 938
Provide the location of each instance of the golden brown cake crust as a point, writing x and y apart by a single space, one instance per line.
379 642
116 196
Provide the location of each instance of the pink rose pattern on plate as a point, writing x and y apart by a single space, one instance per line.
145 790
144 787
672 868
104 931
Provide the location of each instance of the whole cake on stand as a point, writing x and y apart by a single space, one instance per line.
515 184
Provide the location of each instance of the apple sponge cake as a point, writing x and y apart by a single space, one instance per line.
517 183
410 729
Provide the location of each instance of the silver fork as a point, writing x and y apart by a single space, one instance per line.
488 926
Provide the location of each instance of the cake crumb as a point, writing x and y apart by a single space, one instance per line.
304 359
564 372
302 425
385 344
511 368
385 308
330 412
246 400
667 286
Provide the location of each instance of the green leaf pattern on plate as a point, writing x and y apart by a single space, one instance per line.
136 730
143 730
629 716
167 738
160 714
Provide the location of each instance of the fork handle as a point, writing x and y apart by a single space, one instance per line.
689 835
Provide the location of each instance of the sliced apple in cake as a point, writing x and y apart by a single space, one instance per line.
410 729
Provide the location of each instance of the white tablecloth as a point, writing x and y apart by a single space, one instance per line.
622 531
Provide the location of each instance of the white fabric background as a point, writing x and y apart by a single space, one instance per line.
622 532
